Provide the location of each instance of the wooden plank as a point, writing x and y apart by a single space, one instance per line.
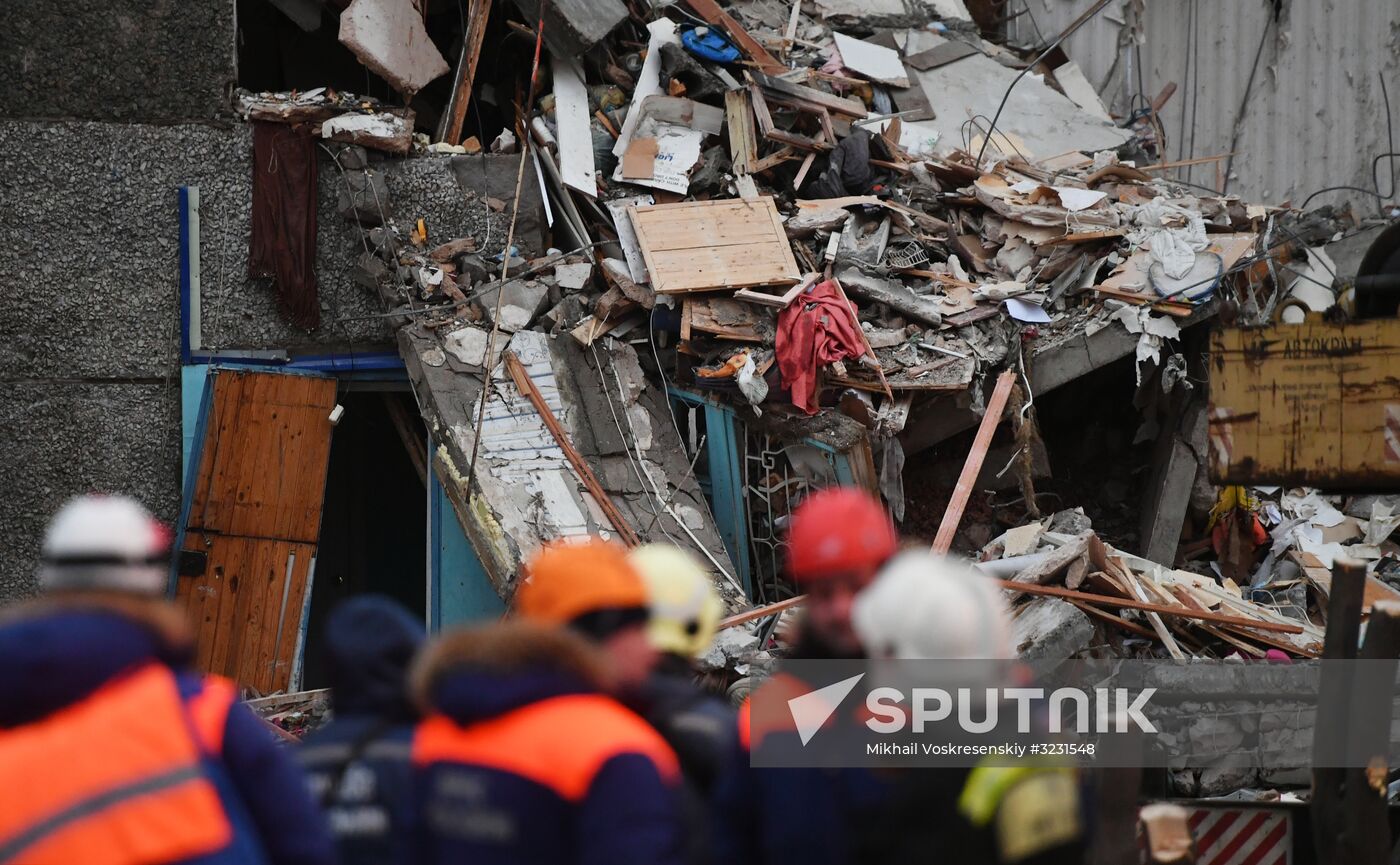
778 301
802 172
1083 237
527 388
1129 603
1115 621
478 13
1314 404
675 243
761 612
1130 579
713 14
576 165
816 98
743 143
973 466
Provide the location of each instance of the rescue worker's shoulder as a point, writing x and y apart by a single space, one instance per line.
208 700
562 742
1032 810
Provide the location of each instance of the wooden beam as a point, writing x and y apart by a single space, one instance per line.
466 69
403 424
743 143
1116 621
963 491
1182 163
526 386
1130 604
760 612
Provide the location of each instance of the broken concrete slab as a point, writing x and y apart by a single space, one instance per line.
572 27
520 302
1049 630
892 293
388 36
525 491
573 277
1040 120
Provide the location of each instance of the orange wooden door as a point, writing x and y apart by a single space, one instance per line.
251 520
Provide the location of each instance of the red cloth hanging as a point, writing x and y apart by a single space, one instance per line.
816 329
283 245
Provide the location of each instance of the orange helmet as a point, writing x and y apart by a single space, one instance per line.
839 530
566 579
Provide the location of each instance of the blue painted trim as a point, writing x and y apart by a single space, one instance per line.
727 488
434 545
185 275
727 500
187 493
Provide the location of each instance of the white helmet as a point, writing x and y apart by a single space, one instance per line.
685 608
923 605
105 543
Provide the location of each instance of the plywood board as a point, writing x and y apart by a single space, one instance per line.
711 245
1314 404
254 515
575 133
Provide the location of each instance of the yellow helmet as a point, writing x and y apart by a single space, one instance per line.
685 608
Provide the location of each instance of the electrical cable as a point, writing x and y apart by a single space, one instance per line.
1078 22
1244 103
1375 163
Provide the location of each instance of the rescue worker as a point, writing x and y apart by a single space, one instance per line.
699 726
838 539
112 750
1003 810
523 756
358 764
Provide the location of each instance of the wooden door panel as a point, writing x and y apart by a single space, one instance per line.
254 511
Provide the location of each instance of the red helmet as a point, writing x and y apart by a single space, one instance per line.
839 530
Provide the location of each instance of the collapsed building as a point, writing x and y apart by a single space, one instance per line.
433 284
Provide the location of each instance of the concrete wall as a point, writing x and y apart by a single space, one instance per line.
1315 116
146 60
89 297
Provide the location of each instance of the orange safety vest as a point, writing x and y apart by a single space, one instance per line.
116 778
528 742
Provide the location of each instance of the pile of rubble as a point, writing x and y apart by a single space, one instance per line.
821 207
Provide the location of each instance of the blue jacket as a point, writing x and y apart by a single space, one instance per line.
701 729
774 816
358 764
57 654
523 760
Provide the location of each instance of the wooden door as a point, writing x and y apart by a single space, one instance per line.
250 521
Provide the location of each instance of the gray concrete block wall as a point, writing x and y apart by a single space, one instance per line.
89 296
147 60
62 438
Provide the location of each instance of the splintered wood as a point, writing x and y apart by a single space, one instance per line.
712 245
